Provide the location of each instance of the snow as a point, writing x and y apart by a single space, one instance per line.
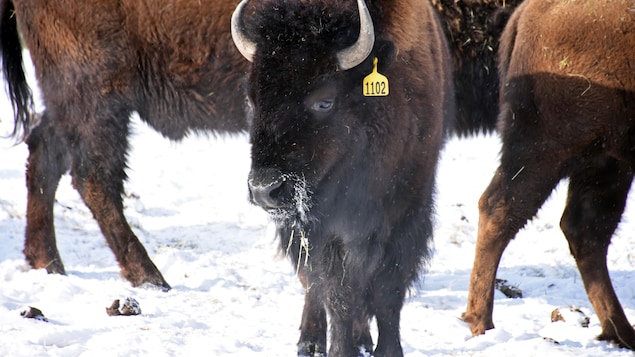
234 294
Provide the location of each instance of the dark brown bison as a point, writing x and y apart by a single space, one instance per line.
567 73
347 178
171 61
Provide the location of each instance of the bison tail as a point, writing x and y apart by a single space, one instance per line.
13 70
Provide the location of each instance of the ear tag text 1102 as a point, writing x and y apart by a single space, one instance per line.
375 84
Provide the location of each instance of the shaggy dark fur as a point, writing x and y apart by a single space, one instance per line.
567 111
473 29
171 61
348 179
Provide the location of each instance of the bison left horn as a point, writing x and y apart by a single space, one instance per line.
347 58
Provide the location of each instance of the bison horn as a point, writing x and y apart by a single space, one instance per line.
357 53
347 58
245 46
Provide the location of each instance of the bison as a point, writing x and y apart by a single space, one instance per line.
567 72
170 61
347 178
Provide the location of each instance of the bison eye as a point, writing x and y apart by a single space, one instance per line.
322 100
323 105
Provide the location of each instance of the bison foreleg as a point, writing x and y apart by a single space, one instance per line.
312 341
361 333
345 302
314 324
388 293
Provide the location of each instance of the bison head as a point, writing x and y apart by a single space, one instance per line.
310 125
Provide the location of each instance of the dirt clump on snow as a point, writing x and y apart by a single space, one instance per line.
130 307
509 290
33 313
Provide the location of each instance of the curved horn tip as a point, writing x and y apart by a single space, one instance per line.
359 51
245 46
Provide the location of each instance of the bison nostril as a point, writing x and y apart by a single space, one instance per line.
266 196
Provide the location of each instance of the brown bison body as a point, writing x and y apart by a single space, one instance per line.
567 111
96 63
347 178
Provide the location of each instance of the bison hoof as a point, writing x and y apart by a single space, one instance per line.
149 278
627 342
477 325
162 286
310 349
55 267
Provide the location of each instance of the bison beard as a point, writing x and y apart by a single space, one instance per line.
347 179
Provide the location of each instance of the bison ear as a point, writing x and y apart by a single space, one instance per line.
384 50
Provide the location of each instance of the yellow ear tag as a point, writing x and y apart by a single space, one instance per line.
375 84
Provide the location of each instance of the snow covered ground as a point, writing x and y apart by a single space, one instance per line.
234 295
